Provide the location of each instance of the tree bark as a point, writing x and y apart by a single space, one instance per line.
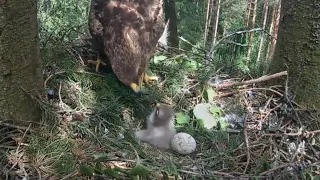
254 13
170 13
216 22
298 47
209 11
275 28
20 66
246 20
265 16
274 4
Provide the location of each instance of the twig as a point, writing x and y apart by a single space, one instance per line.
59 94
49 77
15 126
223 174
61 72
135 151
38 171
186 41
289 101
240 32
247 144
252 81
24 134
18 155
276 168
77 53
70 175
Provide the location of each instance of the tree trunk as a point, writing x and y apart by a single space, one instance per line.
20 68
216 22
274 4
254 13
209 11
265 16
170 13
275 28
246 19
298 47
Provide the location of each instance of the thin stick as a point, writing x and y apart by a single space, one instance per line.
252 81
15 126
247 145
276 168
49 77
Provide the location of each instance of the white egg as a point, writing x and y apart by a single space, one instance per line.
183 143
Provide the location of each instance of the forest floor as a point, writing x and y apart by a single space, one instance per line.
88 124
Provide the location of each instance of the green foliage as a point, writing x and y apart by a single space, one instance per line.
210 94
191 20
86 170
54 148
139 170
62 19
307 174
182 118
262 165
171 169
99 169
232 14
100 157
158 59
216 110
231 54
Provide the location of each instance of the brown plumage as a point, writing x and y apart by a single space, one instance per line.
127 33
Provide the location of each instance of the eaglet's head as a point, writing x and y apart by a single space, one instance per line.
163 114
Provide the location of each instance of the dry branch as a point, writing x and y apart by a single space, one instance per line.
252 81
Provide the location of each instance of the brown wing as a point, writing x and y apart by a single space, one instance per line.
157 23
131 29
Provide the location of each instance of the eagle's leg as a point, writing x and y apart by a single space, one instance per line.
137 87
97 63
147 78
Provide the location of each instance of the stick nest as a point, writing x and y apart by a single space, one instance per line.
92 115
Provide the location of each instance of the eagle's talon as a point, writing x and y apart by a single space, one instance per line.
147 78
97 63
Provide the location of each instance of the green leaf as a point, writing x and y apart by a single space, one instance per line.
100 157
223 124
157 59
316 177
139 170
86 170
200 122
182 118
211 94
119 169
171 169
190 64
98 168
215 110
111 172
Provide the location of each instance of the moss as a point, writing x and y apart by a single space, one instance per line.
298 48
20 64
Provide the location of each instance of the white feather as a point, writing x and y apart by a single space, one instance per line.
163 40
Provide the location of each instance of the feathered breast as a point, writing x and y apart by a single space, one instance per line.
128 30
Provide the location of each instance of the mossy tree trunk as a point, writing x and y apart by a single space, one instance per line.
298 47
20 67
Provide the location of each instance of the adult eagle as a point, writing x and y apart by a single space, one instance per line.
127 32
